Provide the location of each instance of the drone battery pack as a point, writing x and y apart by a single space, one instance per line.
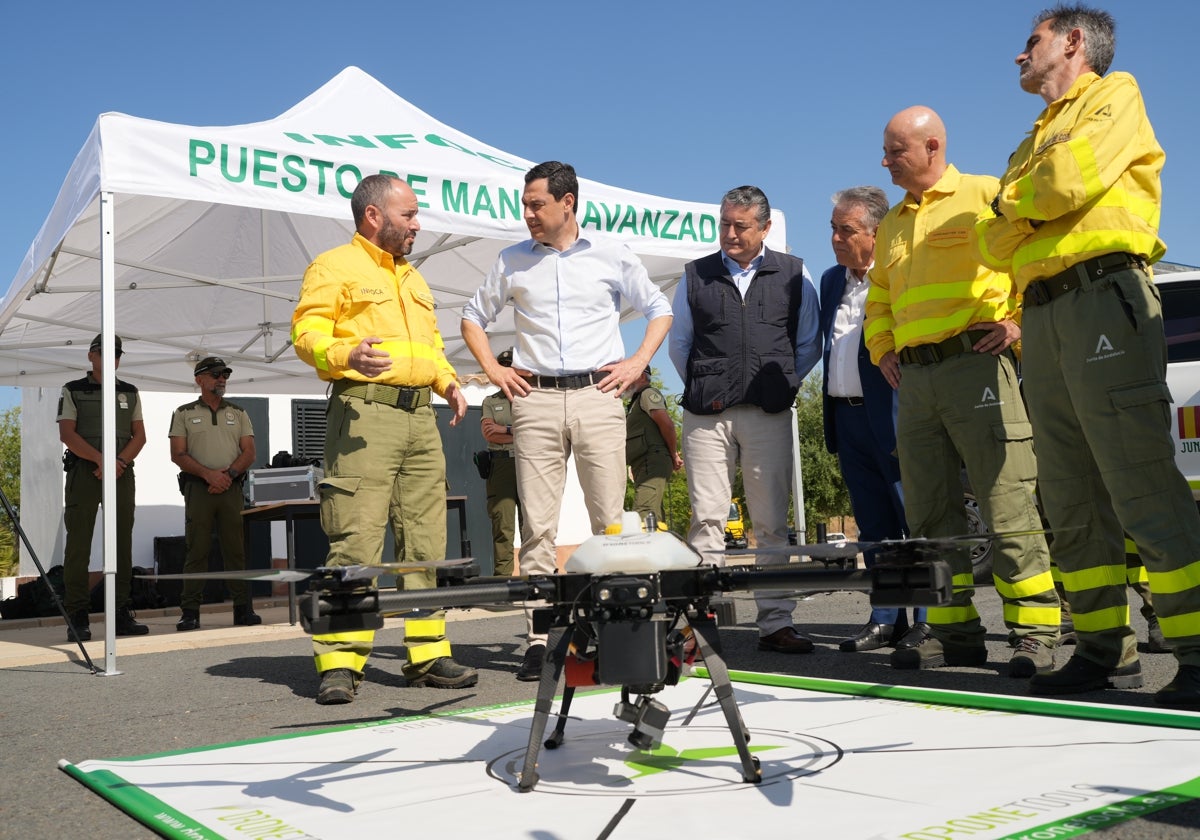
269 486
632 652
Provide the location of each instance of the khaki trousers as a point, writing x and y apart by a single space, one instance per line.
713 446
550 425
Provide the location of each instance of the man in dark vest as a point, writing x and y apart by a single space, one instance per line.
81 429
745 335
651 447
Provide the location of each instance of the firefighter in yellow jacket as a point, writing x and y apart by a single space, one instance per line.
1076 222
366 322
945 326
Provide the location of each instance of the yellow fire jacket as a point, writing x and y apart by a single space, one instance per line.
927 284
358 290
1085 182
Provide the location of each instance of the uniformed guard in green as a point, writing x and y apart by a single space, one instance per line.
212 443
81 429
650 447
503 502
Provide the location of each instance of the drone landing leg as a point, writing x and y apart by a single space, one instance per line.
556 654
580 640
709 642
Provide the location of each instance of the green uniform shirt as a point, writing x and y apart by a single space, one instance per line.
497 408
641 432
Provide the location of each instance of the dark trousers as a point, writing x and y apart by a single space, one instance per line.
203 511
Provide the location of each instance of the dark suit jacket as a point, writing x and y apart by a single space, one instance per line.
879 396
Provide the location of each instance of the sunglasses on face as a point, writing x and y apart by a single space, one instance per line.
220 374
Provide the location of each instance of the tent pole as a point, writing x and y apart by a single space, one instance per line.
108 461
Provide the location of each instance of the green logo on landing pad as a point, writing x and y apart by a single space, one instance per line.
667 758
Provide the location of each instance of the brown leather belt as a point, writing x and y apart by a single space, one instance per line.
931 354
1041 292
409 399
569 381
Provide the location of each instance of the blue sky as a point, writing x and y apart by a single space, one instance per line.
683 100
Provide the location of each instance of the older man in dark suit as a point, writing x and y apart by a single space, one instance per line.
860 405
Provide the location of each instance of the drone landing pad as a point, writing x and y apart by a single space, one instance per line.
838 759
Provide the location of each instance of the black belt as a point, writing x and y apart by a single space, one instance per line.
847 400
502 453
931 354
571 380
409 399
1040 292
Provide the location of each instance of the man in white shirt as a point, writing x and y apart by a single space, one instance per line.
569 366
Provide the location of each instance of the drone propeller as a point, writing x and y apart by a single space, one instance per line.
344 573
846 550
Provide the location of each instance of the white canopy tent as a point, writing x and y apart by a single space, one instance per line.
190 240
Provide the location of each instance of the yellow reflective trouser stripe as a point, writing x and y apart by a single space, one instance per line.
1056 573
1136 574
1094 578
424 628
348 657
1043 616
952 615
1017 590
1170 583
963 581
424 653
1130 546
1180 626
1101 620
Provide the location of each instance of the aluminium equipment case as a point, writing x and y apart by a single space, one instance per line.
283 484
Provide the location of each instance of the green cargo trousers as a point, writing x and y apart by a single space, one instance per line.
1095 379
967 410
651 472
83 494
384 464
202 512
502 506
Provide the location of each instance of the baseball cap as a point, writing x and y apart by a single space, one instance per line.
212 364
98 342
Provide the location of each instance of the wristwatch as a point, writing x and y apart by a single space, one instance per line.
232 473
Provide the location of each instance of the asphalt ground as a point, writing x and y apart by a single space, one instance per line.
178 691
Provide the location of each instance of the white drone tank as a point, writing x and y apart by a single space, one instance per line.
627 547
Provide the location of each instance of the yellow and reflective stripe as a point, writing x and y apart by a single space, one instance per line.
1099 620
1025 206
1180 626
1130 546
426 653
1136 574
313 324
1035 585
952 615
1027 616
424 628
1094 578
1173 582
321 353
1085 159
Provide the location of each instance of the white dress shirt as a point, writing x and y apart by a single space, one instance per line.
843 376
566 304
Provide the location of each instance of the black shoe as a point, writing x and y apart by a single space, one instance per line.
1156 642
934 654
531 668
245 615
918 633
79 629
1080 675
872 637
1184 690
189 621
444 673
337 687
786 640
127 625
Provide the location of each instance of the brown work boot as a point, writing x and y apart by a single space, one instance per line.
442 672
1030 657
1080 675
337 687
932 653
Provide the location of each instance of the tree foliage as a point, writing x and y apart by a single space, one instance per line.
825 494
10 482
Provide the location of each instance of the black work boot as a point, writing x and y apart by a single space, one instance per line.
443 672
1182 691
932 653
1155 641
79 628
1080 675
244 614
337 686
127 625
531 666
189 621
